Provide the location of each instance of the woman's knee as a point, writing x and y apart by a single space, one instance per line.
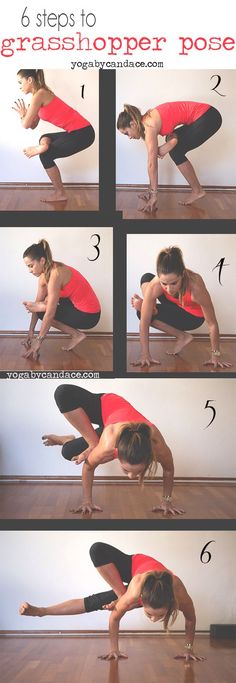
67 450
45 141
61 396
146 277
96 553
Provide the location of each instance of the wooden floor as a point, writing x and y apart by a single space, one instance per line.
68 659
190 360
50 500
215 204
92 354
27 198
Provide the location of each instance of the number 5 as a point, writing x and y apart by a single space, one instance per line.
213 410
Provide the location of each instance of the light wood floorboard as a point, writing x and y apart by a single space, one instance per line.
150 660
29 199
190 359
215 204
30 500
92 354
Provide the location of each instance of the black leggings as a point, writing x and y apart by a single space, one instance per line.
171 313
65 144
193 135
68 314
101 554
70 397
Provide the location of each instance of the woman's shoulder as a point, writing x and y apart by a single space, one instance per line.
195 280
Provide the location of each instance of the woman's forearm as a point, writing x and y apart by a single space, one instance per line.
46 324
190 630
144 336
87 483
214 336
153 173
114 623
168 482
33 322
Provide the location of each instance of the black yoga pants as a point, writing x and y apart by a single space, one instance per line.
193 135
171 313
66 144
101 554
70 397
69 315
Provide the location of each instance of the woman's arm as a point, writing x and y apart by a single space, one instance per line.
165 459
152 291
126 602
186 606
53 292
30 118
92 457
41 295
202 297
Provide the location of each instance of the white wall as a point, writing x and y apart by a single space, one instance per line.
74 247
175 406
214 161
15 167
201 254
50 567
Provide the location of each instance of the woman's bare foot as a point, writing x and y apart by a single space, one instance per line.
28 610
167 147
75 339
192 197
136 302
55 197
182 341
55 440
34 151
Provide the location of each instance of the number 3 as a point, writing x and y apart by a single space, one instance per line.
95 246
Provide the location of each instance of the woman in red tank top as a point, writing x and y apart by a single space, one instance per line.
136 581
77 134
65 300
122 433
186 125
183 304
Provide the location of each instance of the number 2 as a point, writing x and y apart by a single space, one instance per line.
216 85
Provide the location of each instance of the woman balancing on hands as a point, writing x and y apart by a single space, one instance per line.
77 133
65 299
136 581
183 304
122 433
186 126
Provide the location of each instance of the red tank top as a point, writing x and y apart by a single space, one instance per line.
116 409
176 113
144 563
187 303
80 292
62 115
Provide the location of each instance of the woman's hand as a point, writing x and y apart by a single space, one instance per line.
86 508
20 108
82 457
33 350
114 654
217 362
151 204
28 340
146 360
168 509
145 196
190 657
111 605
